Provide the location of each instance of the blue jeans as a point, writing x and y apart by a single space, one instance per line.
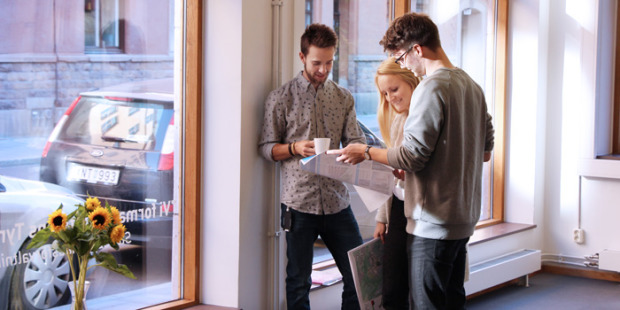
340 233
437 270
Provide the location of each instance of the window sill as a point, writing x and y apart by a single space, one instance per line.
497 231
602 167
609 156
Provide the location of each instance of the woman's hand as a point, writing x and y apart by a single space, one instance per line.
380 230
352 154
399 174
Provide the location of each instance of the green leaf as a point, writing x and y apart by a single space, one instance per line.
64 235
82 247
108 261
114 245
40 238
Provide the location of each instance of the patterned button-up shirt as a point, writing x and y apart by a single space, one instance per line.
296 111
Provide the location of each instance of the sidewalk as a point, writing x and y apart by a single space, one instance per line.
21 151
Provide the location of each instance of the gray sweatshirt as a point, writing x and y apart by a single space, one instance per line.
445 137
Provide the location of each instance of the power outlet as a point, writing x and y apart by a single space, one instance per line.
579 236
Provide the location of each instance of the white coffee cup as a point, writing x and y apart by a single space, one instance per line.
321 145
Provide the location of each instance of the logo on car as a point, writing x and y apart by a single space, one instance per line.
96 153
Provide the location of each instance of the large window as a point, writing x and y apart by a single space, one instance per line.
468 32
74 125
472 34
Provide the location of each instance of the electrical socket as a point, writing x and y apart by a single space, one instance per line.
579 235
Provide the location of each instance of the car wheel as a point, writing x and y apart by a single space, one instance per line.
41 280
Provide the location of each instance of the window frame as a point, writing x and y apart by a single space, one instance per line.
498 162
616 96
191 155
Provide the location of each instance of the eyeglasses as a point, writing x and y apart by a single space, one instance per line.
401 57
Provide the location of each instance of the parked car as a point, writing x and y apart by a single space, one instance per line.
117 143
31 278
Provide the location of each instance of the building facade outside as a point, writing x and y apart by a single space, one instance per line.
50 51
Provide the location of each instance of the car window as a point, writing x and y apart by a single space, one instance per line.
118 123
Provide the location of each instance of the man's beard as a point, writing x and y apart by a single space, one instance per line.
313 80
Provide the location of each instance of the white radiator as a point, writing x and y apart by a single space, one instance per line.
609 260
502 269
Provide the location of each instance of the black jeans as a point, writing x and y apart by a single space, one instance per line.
340 233
437 270
395 262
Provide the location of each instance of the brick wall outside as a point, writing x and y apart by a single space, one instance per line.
34 95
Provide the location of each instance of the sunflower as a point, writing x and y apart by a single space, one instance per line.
57 221
92 203
100 218
116 216
117 233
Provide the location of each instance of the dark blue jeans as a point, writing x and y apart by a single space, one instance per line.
437 270
340 233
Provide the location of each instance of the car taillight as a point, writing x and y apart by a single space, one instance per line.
59 126
54 135
166 159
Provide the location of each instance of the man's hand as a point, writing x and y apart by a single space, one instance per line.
352 154
304 148
487 156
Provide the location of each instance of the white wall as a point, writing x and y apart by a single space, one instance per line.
571 109
222 154
237 182
552 93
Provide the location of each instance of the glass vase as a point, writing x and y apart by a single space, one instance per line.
74 304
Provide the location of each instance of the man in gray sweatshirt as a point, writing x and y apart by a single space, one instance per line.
447 137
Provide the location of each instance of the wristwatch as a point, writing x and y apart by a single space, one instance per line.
366 154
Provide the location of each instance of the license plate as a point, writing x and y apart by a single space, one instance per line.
90 174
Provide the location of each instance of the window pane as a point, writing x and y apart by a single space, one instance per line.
467 34
467 31
360 25
74 125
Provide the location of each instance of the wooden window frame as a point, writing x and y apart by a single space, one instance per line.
403 6
616 104
191 154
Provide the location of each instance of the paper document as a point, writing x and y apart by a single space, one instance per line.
372 180
367 267
326 277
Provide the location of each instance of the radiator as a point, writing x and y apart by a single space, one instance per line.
609 260
502 269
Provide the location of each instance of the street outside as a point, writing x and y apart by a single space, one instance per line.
21 157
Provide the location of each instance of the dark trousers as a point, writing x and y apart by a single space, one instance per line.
395 261
437 270
340 233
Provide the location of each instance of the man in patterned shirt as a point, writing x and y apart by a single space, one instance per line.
307 107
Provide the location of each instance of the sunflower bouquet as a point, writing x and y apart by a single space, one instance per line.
83 234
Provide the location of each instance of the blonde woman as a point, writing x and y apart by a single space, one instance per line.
395 86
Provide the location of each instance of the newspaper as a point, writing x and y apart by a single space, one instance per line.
373 181
367 268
